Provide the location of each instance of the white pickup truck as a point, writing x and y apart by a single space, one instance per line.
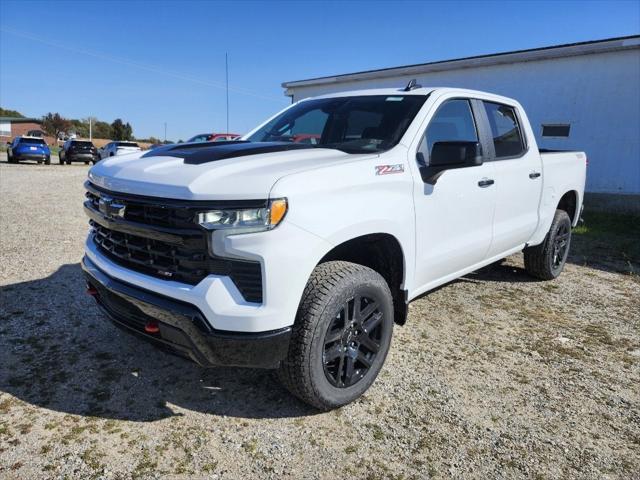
276 252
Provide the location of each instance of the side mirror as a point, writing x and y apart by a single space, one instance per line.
447 156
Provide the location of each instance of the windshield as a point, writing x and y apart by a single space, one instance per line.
82 144
352 124
199 138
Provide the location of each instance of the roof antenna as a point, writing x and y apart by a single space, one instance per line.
412 85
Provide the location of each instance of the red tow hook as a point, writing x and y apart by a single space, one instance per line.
92 291
152 327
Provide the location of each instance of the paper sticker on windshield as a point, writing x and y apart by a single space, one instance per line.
388 169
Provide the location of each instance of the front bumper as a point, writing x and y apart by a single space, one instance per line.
183 328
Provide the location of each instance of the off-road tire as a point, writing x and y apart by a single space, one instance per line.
544 261
330 287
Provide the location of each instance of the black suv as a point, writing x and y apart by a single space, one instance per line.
78 151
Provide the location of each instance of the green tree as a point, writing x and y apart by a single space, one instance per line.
54 124
81 128
10 113
128 132
101 130
117 130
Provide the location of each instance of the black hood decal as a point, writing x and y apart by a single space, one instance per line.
198 153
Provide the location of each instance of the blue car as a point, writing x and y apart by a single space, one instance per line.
28 148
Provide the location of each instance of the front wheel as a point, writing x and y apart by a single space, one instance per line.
341 335
546 261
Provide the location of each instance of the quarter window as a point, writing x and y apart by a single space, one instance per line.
505 130
453 122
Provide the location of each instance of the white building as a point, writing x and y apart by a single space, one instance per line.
582 96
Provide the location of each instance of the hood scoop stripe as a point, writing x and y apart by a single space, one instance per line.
199 153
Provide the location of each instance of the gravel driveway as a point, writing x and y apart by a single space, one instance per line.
494 376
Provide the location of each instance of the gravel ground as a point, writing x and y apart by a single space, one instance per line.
494 376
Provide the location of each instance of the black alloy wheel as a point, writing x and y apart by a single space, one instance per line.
352 341
561 245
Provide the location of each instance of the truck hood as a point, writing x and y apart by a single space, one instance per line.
226 171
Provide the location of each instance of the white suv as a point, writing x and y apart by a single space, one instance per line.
272 253
119 148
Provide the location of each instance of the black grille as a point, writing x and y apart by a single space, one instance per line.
185 258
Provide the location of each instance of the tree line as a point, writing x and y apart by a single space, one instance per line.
56 125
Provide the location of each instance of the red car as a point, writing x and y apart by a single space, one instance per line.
213 137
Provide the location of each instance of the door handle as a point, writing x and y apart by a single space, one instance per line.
534 175
486 182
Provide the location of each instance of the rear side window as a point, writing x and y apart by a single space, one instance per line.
505 130
33 141
453 122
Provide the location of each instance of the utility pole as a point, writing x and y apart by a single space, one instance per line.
226 68
90 130
165 132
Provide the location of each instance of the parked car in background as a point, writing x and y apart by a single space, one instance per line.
35 133
28 148
78 151
119 148
213 137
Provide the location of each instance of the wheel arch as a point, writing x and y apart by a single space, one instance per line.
569 203
383 253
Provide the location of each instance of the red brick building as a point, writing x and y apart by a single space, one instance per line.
11 127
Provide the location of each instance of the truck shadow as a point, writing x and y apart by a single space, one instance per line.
58 351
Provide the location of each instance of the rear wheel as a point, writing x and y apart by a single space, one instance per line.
341 335
86 163
47 160
546 261
68 162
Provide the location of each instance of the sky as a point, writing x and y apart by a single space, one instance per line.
152 63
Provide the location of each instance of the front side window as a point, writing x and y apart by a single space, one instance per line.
361 124
453 122
505 130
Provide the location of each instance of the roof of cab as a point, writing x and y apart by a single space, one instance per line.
418 91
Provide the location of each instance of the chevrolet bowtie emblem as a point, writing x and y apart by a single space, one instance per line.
110 207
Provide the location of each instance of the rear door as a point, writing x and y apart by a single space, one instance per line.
454 216
518 178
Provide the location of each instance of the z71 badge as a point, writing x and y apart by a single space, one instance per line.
388 169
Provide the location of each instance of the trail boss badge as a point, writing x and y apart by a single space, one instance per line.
388 169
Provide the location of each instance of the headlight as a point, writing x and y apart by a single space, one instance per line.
245 219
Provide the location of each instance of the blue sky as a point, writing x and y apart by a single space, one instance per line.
155 62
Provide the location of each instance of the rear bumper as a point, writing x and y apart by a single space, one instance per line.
30 156
183 329
81 157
